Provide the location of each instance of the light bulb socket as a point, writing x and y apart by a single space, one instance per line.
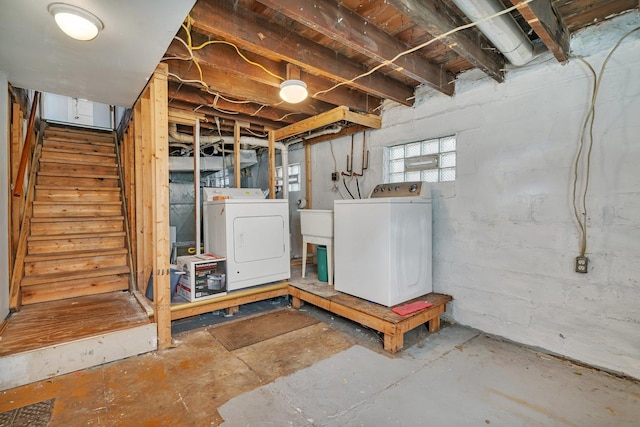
293 91
76 22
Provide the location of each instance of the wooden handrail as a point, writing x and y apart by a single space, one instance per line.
18 188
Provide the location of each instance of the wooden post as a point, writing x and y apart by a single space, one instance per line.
236 154
272 165
307 176
139 193
160 209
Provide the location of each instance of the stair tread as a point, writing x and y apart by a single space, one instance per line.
74 202
74 254
107 162
76 218
75 236
75 175
81 274
57 187
70 150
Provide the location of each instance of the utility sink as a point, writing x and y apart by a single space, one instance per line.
316 226
316 223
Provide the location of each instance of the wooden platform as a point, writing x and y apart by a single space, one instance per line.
53 338
230 301
56 322
372 315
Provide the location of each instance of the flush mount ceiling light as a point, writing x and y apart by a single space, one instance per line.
75 22
293 91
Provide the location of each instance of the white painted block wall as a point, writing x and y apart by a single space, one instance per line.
504 239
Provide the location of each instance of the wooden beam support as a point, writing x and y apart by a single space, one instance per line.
224 58
352 30
308 188
254 33
437 20
183 117
267 116
272 165
548 25
160 207
236 154
228 86
324 119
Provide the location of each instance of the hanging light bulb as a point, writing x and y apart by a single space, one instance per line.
293 91
75 22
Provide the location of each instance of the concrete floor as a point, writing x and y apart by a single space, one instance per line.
334 373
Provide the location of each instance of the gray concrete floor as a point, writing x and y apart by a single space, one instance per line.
456 377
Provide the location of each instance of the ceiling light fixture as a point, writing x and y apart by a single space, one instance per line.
75 22
293 91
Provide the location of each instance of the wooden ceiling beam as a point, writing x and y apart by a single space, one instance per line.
548 25
433 16
226 84
329 117
196 96
225 20
225 58
210 113
352 30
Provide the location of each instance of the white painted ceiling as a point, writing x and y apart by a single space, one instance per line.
111 69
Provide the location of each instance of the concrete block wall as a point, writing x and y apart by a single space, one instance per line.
504 236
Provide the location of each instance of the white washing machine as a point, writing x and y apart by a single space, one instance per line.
251 232
383 244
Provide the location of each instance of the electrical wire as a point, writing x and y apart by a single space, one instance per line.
423 45
589 122
344 181
358 186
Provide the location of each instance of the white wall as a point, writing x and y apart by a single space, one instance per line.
504 239
4 195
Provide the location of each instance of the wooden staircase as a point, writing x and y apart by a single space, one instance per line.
77 242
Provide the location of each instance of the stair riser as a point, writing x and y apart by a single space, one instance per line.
78 244
77 181
84 137
74 210
79 227
77 158
74 265
76 147
64 195
74 288
79 170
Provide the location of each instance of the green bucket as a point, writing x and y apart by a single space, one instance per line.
322 263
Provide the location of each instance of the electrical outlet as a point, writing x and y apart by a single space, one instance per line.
582 262
334 176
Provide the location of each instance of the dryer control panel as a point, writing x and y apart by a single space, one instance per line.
402 189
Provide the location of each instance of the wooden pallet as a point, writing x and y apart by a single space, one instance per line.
374 316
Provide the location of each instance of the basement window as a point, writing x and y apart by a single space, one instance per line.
431 160
294 177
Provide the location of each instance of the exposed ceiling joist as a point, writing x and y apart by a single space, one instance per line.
349 29
438 20
252 32
225 57
548 25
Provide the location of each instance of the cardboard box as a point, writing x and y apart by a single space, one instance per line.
205 277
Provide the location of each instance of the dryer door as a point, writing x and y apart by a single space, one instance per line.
258 238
